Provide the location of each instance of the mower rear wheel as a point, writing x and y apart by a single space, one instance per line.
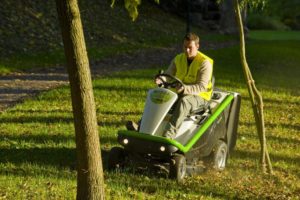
220 156
177 167
116 158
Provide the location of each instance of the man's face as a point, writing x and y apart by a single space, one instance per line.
190 48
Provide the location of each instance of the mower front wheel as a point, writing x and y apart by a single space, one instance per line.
116 158
220 156
177 167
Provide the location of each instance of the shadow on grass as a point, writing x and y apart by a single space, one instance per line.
273 125
278 102
121 88
114 124
20 149
277 139
41 111
136 76
255 156
55 157
36 139
250 155
37 119
11 91
62 76
121 113
15 140
60 157
65 119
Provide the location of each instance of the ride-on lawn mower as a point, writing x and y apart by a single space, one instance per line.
205 138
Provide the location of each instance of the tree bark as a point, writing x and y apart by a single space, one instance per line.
90 184
255 96
228 23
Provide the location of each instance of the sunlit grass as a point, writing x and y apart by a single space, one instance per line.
37 142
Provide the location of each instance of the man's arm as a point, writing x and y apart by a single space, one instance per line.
203 78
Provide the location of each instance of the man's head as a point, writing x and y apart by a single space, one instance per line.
190 45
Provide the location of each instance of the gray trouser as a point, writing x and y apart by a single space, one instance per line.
184 107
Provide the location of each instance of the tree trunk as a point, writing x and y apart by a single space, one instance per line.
90 184
228 23
255 96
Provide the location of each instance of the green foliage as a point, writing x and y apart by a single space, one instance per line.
37 142
131 6
273 14
287 12
282 9
253 4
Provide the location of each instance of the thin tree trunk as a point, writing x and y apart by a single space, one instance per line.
90 184
255 96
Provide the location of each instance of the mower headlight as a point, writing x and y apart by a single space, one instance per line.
125 141
162 148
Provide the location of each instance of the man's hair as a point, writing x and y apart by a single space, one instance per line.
192 37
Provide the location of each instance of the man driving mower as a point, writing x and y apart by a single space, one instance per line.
195 70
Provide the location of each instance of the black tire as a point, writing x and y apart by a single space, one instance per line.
177 168
220 156
116 158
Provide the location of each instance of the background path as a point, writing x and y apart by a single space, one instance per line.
16 87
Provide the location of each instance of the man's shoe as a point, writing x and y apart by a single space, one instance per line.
132 126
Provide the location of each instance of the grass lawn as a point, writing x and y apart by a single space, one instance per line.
274 35
37 147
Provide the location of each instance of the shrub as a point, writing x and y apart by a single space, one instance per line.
294 23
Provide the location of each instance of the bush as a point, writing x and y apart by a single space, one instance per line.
259 21
294 23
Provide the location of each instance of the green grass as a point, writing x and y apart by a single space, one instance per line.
274 35
21 62
37 147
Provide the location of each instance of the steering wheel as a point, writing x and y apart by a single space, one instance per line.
169 81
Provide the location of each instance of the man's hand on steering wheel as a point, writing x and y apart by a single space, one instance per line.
159 81
169 81
179 89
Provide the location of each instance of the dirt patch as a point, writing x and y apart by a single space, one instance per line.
16 87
